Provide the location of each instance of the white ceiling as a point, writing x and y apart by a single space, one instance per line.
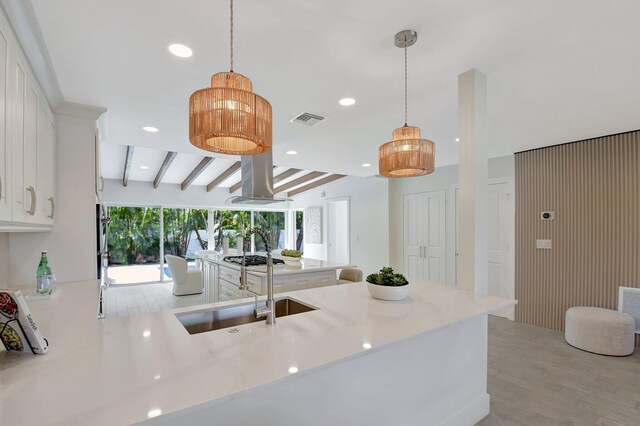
182 165
557 71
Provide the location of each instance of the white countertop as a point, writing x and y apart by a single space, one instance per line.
306 265
118 370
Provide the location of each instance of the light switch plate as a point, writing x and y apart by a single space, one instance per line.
543 244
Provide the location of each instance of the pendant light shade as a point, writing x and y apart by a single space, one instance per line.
406 155
228 118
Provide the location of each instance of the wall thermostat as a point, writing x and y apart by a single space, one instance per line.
547 216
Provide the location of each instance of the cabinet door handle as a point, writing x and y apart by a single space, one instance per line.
53 208
0 187
32 210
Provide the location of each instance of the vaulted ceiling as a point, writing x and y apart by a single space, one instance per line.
557 71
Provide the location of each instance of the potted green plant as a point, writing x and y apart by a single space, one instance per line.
387 285
291 257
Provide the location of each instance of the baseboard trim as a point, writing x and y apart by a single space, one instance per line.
471 414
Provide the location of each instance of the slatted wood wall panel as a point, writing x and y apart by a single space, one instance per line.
593 187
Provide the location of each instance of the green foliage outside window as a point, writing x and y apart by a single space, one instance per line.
273 224
134 232
228 223
180 226
134 235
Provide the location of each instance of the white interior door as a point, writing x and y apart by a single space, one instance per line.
413 230
424 236
338 231
434 237
500 240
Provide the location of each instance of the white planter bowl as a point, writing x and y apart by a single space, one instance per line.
384 292
291 261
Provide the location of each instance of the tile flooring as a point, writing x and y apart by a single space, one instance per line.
122 300
536 378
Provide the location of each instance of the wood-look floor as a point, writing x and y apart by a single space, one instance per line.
123 300
536 378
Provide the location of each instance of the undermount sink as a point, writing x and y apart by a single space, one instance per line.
219 318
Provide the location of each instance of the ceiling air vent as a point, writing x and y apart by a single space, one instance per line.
308 119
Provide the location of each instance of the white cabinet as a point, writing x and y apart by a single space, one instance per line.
5 147
210 277
27 142
45 154
227 284
424 236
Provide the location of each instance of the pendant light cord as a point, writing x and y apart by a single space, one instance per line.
231 31
405 81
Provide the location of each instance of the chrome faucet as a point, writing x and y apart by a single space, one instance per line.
269 312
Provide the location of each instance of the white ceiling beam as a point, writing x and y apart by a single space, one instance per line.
196 172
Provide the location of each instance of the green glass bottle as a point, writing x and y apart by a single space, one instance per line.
44 276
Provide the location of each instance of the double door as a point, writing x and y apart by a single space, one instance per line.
424 236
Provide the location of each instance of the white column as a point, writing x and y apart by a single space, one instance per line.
473 175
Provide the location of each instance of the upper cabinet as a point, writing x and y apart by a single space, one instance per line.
5 152
27 143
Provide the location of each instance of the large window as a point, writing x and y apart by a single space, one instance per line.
140 236
272 223
299 219
185 231
134 244
229 223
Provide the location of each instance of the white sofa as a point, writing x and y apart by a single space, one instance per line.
185 280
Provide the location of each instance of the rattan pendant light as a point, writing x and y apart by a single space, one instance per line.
228 117
407 154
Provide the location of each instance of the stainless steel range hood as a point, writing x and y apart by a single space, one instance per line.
257 182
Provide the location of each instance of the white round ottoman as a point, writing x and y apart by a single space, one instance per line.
601 331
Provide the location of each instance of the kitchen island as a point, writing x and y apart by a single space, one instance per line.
222 278
353 360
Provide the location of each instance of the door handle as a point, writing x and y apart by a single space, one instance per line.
53 208
32 210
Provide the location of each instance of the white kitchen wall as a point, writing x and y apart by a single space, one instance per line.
369 221
4 260
72 243
442 179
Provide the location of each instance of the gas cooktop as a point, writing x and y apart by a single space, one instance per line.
251 260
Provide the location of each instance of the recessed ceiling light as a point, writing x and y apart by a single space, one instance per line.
366 345
457 139
180 50
150 129
154 413
146 333
157 377
144 167
293 370
366 165
292 152
347 101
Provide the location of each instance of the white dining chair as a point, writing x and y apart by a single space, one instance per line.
185 280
